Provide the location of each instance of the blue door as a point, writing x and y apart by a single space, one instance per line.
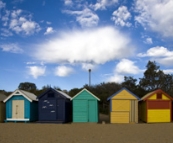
48 110
60 110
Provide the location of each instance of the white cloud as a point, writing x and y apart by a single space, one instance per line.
49 30
121 16
155 15
124 67
5 18
156 52
13 48
68 2
168 71
160 54
118 78
87 66
102 4
86 17
165 60
6 32
2 4
37 71
48 22
19 22
63 71
31 63
148 41
97 46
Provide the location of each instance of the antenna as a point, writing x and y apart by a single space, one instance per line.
89 77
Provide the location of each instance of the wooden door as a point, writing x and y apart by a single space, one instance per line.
48 110
18 109
120 111
92 113
60 110
80 111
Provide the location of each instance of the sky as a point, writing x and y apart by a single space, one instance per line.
56 42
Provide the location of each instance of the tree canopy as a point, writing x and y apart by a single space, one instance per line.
28 86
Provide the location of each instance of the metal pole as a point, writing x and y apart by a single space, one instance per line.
89 77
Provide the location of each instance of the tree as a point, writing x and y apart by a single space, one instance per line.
74 91
129 83
27 86
153 77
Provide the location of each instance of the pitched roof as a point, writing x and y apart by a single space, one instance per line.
86 91
28 95
66 95
2 97
55 90
146 96
110 97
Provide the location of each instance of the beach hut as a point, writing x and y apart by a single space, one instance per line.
123 107
155 106
54 106
85 107
21 106
2 107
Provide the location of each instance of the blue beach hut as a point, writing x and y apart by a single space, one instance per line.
21 106
54 106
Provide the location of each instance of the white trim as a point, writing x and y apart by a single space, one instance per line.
13 119
88 92
14 94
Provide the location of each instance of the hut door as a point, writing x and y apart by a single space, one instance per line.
92 111
60 109
18 109
132 111
48 110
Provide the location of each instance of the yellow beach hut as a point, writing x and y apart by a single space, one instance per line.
123 107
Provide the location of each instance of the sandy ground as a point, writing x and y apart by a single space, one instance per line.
86 133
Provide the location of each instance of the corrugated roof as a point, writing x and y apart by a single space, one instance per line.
64 94
120 91
28 95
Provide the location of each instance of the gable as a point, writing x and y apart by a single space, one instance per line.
85 94
52 93
21 93
156 95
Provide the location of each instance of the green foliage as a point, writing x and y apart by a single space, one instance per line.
153 77
27 86
74 91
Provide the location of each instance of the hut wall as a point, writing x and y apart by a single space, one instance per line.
9 106
34 111
2 111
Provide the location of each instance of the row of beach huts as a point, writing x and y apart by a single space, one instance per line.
58 107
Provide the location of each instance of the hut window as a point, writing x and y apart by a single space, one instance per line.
51 95
159 95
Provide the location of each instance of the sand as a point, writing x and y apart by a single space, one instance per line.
86 133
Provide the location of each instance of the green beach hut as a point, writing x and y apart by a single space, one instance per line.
85 107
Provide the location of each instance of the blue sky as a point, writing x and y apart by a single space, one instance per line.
50 42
